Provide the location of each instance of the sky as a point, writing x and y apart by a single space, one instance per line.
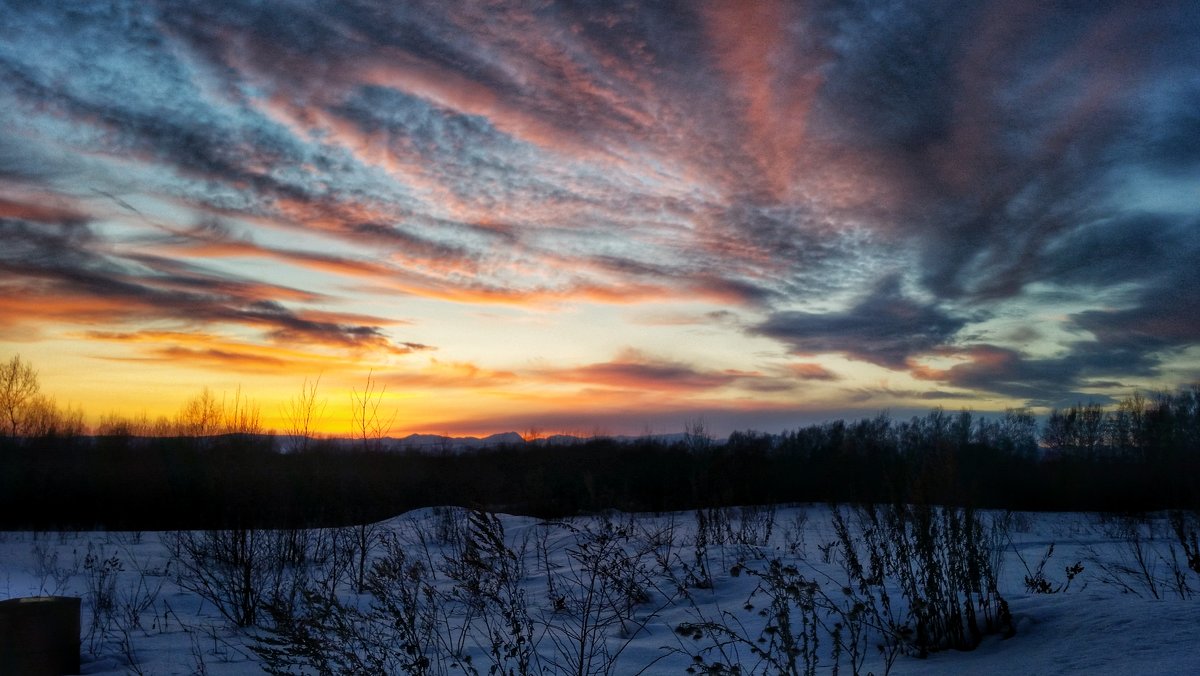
601 217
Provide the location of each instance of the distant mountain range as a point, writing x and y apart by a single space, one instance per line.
438 442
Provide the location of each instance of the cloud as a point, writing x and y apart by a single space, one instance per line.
213 351
306 124
633 369
39 211
212 239
211 358
1004 127
57 265
1164 318
885 327
1168 141
1017 160
1041 381
221 353
1151 322
807 371
1125 247
440 375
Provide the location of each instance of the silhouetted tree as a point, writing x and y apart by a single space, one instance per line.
302 414
369 426
18 386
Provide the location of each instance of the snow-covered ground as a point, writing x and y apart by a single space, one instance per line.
1106 621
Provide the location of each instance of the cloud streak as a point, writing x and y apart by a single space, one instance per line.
885 327
52 266
633 370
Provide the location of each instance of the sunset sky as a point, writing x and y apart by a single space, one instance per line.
601 217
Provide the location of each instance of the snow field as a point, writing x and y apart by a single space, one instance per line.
609 594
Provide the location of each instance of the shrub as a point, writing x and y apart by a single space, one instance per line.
940 560
240 570
396 634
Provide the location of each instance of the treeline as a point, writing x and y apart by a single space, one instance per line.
1142 454
1145 457
213 465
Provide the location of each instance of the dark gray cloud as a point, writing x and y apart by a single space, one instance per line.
1009 125
1012 128
885 327
1156 322
1169 141
1165 314
893 78
1125 247
1043 381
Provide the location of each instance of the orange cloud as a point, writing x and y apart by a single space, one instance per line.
44 211
450 374
980 360
775 82
214 352
808 371
34 307
201 246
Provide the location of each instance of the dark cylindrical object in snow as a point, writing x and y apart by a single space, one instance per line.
39 636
